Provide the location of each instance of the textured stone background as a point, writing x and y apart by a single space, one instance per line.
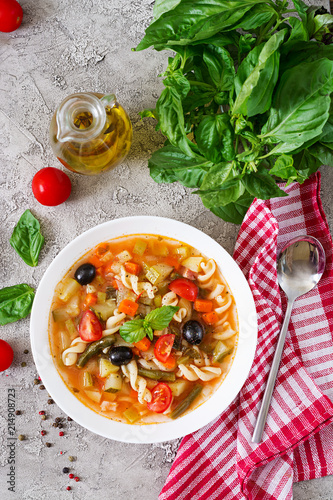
64 47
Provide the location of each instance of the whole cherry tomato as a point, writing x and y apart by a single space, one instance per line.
184 288
6 355
161 398
90 328
11 15
51 186
163 346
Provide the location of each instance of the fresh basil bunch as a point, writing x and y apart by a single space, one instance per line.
247 98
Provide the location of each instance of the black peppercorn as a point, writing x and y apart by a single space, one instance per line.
65 470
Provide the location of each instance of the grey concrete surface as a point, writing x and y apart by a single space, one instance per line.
64 47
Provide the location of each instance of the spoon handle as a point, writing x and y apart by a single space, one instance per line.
266 401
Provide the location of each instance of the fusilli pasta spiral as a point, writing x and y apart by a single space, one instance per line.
138 383
114 322
69 356
192 372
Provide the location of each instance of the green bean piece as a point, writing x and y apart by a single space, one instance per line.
157 374
95 348
185 404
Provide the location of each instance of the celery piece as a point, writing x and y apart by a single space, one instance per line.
132 415
158 300
183 252
71 328
105 310
64 340
152 275
193 263
94 395
140 247
60 314
106 367
157 273
113 383
68 289
101 297
88 380
178 387
220 351
99 280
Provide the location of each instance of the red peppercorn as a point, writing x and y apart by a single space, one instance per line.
68 488
77 479
70 476
43 433
61 433
42 412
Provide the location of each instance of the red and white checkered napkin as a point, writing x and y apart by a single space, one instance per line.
219 461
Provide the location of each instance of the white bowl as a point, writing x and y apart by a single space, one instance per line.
206 412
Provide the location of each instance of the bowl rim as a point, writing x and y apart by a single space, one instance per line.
204 413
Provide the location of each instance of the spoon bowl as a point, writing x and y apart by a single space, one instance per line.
299 268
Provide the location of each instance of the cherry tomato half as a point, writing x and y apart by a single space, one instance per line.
11 15
161 398
163 346
51 186
184 288
6 355
90 328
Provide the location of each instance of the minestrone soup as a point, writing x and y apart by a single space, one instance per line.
143 329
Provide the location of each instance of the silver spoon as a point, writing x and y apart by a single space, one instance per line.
299 268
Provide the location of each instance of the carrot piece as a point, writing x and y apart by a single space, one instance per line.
129 307
114 283
143 345
210 318
136 351
170 363
91 299
94 260
132 268
203 305
107 267
173 262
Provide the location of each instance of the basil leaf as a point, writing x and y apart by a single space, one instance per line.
214 136
179 82
171 119
27 239
305 164
301 8
132 331
220 67
170 164
15 303
261 185
220 187
184 23
301 105
323 153
159 318
234 212
284 168
162 6
255 86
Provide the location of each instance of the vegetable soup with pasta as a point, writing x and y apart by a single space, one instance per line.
143 329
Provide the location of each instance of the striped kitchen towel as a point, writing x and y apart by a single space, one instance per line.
219 460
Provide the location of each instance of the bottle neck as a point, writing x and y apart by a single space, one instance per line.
80 117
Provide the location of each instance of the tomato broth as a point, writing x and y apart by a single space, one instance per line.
143 329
